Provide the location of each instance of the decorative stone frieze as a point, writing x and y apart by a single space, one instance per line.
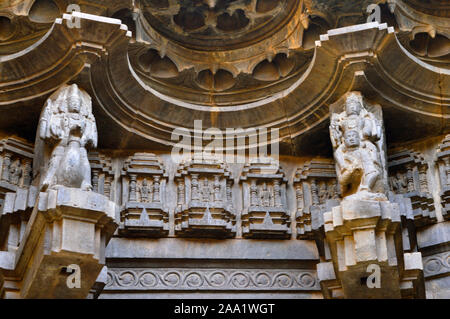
316 191
443 165
408 175
144 211
264 213
237 279
204 200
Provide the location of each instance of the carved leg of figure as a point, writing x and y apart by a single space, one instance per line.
55 159
86 184
369 181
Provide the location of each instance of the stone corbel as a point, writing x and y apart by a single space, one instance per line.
68 230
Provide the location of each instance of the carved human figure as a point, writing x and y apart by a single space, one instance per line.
133 186
66 128
144 189
323 192
358 164
354 117
355 134
156 189
253 193
398 182
195 187
206 192
266 195
217 188
180 189
5 166
15 172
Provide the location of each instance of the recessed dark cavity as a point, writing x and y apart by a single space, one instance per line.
317 26
281 66
285 64
159 4
152 63
266 5
266 71
420 43
236 21
6 28
221 81
439 46
44 11
189 19
126 16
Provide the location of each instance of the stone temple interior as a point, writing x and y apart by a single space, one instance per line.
225 149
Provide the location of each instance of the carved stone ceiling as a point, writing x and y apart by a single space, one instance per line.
241 63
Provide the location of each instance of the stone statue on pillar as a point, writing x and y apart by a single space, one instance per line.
66 129
357 139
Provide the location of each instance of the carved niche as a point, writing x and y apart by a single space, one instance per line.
443 164
17 196
16 156
408 176
316 192
102 173
264 212
144 212
204 200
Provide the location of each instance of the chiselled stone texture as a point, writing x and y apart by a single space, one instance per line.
265 213
443 163
408 175
144 209
436 265
364 230
211 279
204 199
371 75
102 174
316 191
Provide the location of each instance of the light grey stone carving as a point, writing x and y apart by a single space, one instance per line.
210 279
408 177
265 212
443 164
144 210
358 143
205 207
317 192
66 128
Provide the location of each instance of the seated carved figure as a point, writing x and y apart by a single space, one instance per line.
66 128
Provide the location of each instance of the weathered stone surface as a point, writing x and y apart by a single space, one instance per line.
373 77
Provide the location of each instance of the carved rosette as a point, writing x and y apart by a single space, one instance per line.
264 212
204 200
316 189
443 164
408 176
144 212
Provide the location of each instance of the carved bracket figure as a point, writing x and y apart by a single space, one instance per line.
66 129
